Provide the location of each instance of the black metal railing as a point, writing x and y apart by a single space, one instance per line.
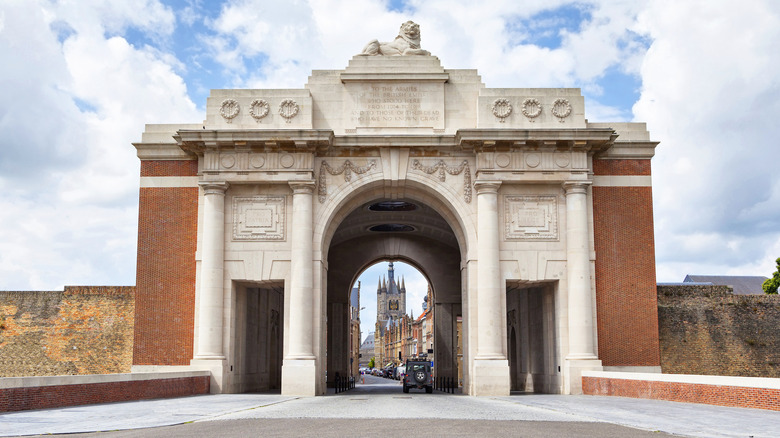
445 384
344 384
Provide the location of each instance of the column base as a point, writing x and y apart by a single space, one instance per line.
491 377
572 372
299 377
217 368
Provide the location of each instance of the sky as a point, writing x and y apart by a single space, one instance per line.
79 80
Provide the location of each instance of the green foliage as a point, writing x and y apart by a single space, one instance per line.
770 286
372 363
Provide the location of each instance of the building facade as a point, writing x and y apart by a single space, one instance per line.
354 331
533 225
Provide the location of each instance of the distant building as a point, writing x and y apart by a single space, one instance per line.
390 297
354 330
740 284
390 311
367 350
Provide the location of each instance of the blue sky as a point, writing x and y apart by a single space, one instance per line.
80 80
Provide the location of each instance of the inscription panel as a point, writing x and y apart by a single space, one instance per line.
395 105
532 217
259 218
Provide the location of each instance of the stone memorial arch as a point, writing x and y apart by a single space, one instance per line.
531 223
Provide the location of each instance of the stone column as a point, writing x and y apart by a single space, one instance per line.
491 368
210 296
298 370
582 354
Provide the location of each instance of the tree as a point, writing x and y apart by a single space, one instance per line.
371 362
770 286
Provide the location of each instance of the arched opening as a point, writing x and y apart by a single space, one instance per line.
531 333
417 235
394 313
257 341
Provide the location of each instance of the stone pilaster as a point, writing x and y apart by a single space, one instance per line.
582 355
210 311
298 368
491 368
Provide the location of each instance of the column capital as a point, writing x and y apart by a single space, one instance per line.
487 186
214 187
302 187
572 187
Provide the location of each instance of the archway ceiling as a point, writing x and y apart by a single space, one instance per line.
427 222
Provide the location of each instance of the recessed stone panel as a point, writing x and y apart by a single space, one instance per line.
531 217
395 104
258 218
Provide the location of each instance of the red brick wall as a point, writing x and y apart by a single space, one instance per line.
621 167
165 279
169 168
736 396
625 268
45 397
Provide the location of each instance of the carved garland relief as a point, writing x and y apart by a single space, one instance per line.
229 109
531 217
258 218
502 109
347 168
531 109
442 169
288 109
258 109
561 109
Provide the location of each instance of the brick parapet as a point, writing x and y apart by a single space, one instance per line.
713 390
27 394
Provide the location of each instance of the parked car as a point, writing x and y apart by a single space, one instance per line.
399 372
418 375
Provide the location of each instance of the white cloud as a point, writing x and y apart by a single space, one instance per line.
709 97
74 98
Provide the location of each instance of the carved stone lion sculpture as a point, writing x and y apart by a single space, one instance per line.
406 43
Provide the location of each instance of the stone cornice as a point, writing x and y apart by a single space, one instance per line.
161 151
506 139
629 150
198 141
477 140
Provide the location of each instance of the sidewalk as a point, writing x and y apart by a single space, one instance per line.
364 403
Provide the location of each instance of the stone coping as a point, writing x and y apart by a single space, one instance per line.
38 381
745 382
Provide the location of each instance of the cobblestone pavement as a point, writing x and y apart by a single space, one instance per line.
380 404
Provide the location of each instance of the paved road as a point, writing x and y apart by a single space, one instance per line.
380 405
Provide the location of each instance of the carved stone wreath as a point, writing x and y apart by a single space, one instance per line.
440 167
288 109
347 168
502 109
258 109
229 109
561 109
532 108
